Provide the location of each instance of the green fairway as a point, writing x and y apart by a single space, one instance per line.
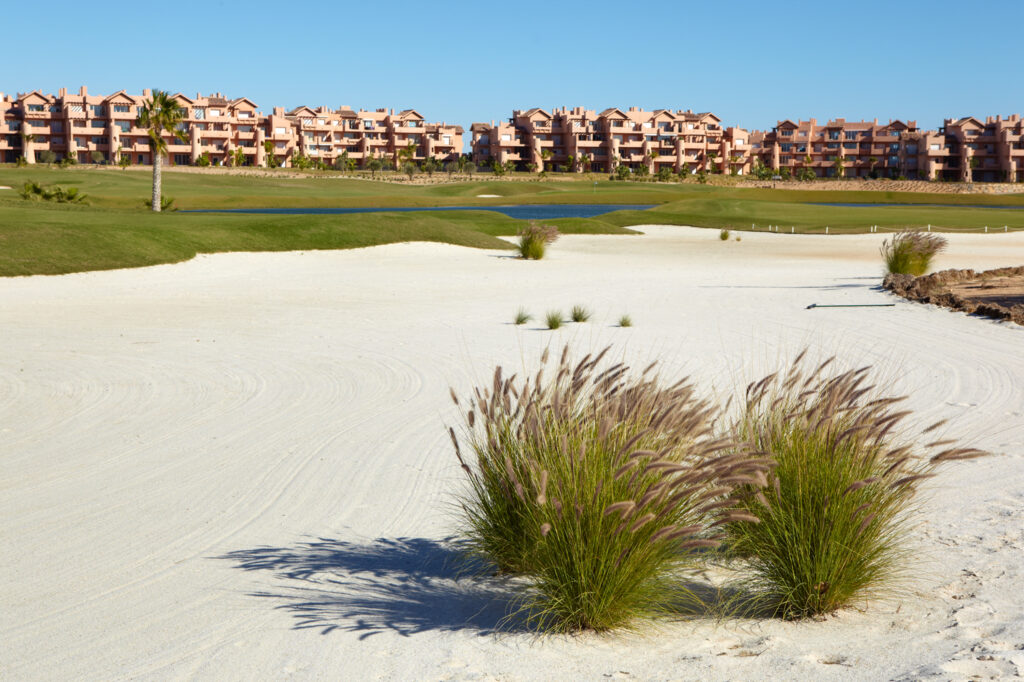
114 231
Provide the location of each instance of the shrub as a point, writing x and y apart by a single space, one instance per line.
522 317
724 235
738 238
911 252
97 157
836 511
579 314
33 191
625 321
534 239
553 319
47 156
599 486
166 203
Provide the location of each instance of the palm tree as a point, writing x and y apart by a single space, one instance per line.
545 154
161 114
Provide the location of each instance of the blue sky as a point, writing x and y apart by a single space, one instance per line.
752 63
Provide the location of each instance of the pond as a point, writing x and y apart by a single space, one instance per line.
521 212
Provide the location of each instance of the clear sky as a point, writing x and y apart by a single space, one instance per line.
752 63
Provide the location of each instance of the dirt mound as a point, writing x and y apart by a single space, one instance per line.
995 293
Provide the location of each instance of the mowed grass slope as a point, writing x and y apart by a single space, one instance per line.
114 231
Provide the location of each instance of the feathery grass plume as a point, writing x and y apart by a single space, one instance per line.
522 317
553 319
534 239
911 252
599 485
579 314
625 321
835 513
724 235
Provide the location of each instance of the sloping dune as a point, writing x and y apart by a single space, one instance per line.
237 467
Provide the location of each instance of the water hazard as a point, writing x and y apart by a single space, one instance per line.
521 212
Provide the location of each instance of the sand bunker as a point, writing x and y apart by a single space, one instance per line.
237 468
488 196
4 187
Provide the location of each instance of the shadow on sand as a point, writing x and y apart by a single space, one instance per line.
405 585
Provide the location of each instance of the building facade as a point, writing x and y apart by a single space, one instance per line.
965 149
583 139
101 128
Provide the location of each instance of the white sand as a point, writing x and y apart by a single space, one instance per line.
488 196
4 187
287 410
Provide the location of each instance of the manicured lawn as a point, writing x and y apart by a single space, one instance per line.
114 231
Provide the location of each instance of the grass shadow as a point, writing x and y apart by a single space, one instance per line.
402 585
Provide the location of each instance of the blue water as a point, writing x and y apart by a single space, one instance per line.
1016 208
522 212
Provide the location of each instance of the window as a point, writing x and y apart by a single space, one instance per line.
802 148
506 138
411 124
368 124
125 126
851 135
447 139
57 127
833 135
98 140
849 145
321 122
802 133
122 108
214 112
245 129
199 113
689 126
279 131
786 132
97 124
40 139
740 141
244 114
35 107
96 109
935 147
76 108
786 147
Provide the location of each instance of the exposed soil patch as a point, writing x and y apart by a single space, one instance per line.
993 293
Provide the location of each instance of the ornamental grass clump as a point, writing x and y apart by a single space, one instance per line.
911 252
534 240
836 513
599 486
579 314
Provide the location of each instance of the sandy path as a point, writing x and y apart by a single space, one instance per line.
236 468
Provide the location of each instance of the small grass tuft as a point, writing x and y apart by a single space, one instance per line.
625 321
579 314
837 508
522 317
553 319
724 235
535 238
911 252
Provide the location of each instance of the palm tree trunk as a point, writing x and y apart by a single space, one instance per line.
156 181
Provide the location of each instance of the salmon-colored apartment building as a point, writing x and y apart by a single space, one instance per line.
964 149
102 127
585 139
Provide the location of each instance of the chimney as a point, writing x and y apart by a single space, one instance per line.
82 92
147 92
62 93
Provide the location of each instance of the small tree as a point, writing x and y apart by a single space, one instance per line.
531 167
409 168
430 165
97 157
545 155
702 176
712 158
498 168
47 156
374 164
872 162
301 161
470 168
271 157
570 162
586 160
406 154
664 174
203 160
123 160
510 166
238 157
622 172
840 167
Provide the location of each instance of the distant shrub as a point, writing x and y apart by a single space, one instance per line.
166 203
47 156
625 321
579 314
738 238
534 240
97 157
836 511
522 317
553 319
599 486
33 191
724 235
911 252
